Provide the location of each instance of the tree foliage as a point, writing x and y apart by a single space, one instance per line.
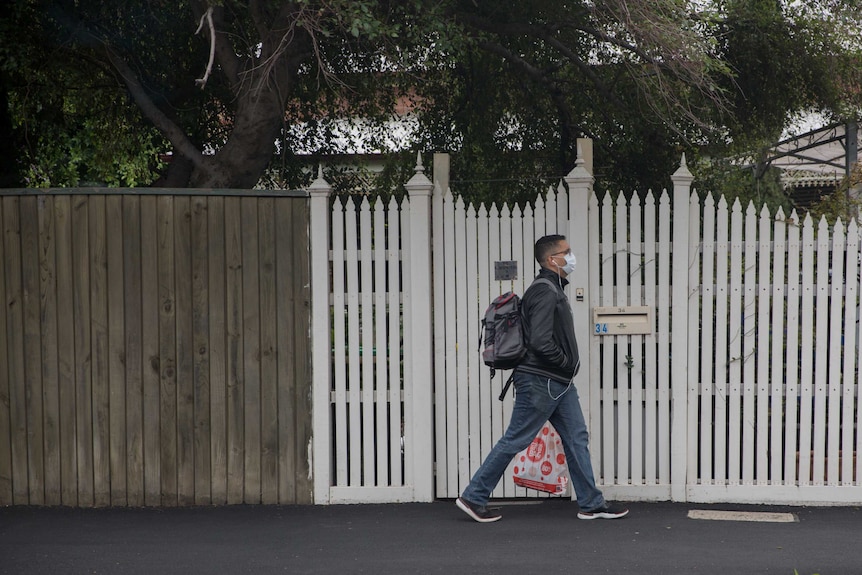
64 119
845 203
107 91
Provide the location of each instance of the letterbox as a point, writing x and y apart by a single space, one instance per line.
622 320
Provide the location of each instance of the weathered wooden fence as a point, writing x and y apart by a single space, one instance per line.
154 348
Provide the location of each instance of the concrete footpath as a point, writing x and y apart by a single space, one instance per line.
532 538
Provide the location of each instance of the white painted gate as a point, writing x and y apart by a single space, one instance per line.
371 346
746 390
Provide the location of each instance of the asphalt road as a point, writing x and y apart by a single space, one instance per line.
537 538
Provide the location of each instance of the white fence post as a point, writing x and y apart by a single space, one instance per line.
680 337
580 184
444 470
418 345
320 451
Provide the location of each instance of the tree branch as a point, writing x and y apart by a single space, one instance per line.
208 16
164 124
614 41
546 35
285 46
666 54
225 55
585 69
258 17
557 96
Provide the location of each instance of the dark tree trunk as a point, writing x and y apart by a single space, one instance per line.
177 174
245 156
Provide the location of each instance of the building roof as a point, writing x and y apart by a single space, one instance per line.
819 158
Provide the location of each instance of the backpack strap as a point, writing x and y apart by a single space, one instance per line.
506 386
546 281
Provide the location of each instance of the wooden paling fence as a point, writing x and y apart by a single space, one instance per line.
154 347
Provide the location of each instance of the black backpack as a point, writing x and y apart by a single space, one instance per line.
503 334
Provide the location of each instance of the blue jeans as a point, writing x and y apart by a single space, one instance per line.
537 400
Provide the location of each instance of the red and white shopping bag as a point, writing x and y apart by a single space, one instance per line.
542 465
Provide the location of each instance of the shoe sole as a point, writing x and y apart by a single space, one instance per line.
466 509
589 516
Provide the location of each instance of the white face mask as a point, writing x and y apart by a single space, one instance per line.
571 261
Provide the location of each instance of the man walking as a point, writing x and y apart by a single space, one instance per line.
544 391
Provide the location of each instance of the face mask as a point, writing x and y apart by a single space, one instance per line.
571 261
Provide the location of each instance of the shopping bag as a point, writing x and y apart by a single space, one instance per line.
542 465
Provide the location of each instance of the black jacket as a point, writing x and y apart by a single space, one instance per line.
549 329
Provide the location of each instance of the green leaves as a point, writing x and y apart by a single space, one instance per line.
508 88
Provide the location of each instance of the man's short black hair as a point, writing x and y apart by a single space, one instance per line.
546 245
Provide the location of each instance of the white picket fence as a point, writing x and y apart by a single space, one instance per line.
781 373
745 390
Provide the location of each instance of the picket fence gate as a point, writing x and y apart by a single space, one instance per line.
744 390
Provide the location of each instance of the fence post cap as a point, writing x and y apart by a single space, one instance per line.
419 184
682 175
319 187
579 173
